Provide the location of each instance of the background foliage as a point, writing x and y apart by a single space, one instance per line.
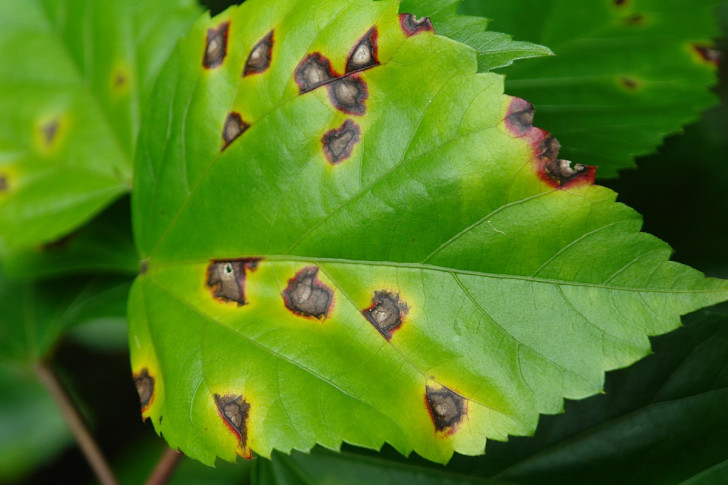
680 191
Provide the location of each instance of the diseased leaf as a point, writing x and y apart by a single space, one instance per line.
494 49
350 235
625 74
73 77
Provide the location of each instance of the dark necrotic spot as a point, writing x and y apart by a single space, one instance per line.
634 19
447 408
348 94
629 83
3 183
50 130
561 172
412 25
386 313
339 143
306 296
365 53
709 54
619 3
226 279
313 71
143 266
234 410
260 57
234 127
145 387
519 119
216 48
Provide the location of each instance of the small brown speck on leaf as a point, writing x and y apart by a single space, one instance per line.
260 56
339 143
365 53
145 387
447 408
412 25
234 127
216 46
386 313
306 296
234 410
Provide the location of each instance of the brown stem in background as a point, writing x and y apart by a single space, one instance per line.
165 467
75 422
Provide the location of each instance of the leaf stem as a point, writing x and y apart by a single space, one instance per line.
165 467
75 422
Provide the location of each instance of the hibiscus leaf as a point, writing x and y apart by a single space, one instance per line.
625 75
73 78
350 235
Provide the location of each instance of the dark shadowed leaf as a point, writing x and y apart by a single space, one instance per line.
625 74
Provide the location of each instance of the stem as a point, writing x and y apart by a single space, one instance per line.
75 422
165 467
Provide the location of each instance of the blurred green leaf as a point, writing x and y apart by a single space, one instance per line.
626 73
34 315
72 83
31 427
104 245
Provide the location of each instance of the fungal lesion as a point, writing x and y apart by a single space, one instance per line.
519 118
144 384
307 296
387 312
226 279
447 408
235 412
412 25
312 72
338 144
348 95
4 183
365 53
216 46
561 172
260 56
234 127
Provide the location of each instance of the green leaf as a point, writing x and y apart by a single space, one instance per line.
73 79
494 48
414 266
625 74
34 315
31 427
103 245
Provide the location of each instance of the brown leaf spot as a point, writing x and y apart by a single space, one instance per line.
307 296
412 25
49 130
3 183
709 53
519 119
226 279
348 94
313 71
560 173
447 408
634 19
234 127
234 410
145 388
629 83
339 143
216 46
365 54
386 313
260 57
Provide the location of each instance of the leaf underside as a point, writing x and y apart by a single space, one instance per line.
350 235
73 77
625 75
